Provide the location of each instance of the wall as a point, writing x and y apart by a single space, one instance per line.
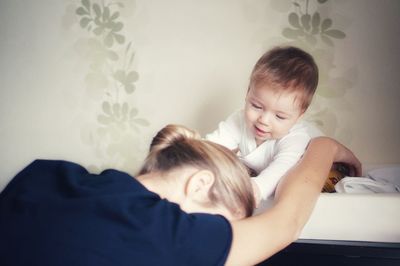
67 93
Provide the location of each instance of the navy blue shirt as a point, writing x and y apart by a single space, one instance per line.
56 213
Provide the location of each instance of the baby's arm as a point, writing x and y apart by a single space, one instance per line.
288 152
228 132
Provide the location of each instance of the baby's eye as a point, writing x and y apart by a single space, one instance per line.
256 106
280 117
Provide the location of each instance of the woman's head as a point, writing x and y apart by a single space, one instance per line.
176 148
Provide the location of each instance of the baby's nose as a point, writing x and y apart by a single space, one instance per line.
264 118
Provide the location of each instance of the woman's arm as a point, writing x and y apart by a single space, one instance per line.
259 237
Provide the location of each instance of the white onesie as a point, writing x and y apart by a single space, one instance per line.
272 158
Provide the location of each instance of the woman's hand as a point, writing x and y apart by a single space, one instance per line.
345 156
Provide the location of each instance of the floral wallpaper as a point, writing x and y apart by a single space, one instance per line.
310 26
113 132
111 80
91 81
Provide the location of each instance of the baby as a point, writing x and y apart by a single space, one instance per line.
267 134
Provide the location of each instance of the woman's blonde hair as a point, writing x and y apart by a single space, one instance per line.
176 146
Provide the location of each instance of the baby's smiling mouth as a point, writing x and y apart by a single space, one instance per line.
260 131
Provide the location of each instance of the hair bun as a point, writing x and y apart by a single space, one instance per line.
171 134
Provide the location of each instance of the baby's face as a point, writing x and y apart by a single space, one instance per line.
270 114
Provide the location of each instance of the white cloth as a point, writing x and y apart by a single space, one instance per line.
383 180
272 158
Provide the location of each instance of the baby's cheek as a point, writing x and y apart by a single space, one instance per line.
249 121
249 116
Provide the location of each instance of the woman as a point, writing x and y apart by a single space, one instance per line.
186 207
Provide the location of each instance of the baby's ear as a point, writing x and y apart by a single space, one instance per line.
198 186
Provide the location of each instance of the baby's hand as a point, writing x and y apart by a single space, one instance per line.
257 193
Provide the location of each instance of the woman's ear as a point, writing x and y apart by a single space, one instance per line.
198 185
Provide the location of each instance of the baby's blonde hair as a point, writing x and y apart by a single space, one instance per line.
287 69
176 146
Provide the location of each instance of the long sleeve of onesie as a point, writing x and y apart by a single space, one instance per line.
286 153
228 133
271 159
